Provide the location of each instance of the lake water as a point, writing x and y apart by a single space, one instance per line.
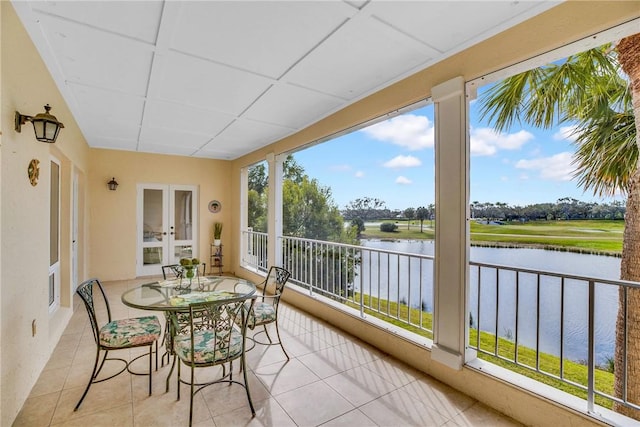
575 307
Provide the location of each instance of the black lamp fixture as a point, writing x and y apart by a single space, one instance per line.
113 184
45 125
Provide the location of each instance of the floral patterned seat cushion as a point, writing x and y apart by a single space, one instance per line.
131 332
262 313
209 346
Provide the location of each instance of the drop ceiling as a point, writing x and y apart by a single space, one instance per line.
219 79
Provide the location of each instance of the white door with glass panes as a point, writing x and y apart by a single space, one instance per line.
167 226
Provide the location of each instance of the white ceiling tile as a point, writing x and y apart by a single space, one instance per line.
97 141
363 55
171 137
264 37
177 116
110 129
201 83
441 25
136 19
171 149
96 58
292 106
105 106
243 134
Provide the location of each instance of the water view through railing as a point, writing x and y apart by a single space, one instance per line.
524 315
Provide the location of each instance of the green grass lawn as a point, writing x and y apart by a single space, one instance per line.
594 236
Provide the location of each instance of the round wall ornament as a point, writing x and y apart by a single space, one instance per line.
215 206
34 171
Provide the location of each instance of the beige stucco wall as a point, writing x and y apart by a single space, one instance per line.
26 86
112 249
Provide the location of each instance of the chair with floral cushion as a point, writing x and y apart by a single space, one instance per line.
116 334
214 334
265 311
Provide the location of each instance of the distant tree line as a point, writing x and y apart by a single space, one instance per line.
564 208
368 209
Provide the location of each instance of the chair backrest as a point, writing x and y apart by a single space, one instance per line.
221 318
172 270
86 292
276 279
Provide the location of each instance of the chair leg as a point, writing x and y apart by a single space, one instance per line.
173 365
94 373
178 382
246 385
280 340
151 366
193 380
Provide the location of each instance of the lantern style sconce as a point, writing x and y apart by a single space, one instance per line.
45 125
113 184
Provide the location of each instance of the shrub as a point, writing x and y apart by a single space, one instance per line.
388 227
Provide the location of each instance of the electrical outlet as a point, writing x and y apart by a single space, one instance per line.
33 328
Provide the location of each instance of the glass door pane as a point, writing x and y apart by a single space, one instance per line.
183 209
153 231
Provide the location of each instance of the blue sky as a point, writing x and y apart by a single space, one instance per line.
394 161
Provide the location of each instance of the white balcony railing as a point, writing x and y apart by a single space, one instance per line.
523 315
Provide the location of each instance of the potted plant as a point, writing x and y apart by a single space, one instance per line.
217 232
190 269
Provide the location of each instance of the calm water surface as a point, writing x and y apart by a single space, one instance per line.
571 315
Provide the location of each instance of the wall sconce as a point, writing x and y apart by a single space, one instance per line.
113 184
45 125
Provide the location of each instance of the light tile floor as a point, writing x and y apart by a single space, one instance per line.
332 379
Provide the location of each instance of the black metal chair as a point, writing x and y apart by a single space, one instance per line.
117 335
265 311
213 334
172 271
177 271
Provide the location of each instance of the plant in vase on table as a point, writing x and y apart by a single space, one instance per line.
190 266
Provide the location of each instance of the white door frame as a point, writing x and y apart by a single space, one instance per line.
74 229
162 238
54 269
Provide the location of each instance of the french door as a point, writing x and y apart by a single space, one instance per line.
167 226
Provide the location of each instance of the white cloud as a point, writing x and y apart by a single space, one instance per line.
403 180
340 168
359 174
555 168
403 162
487 142
566 133
408 130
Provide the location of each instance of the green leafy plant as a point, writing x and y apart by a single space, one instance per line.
190 265
217 230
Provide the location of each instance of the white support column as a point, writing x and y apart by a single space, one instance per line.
451 244
274 224
279 176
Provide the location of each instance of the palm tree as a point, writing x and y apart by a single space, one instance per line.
587 90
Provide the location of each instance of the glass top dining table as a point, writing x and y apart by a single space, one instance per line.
177 294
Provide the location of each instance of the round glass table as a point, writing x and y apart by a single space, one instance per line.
177 294
174 296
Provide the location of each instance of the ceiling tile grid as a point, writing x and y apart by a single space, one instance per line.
219 79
